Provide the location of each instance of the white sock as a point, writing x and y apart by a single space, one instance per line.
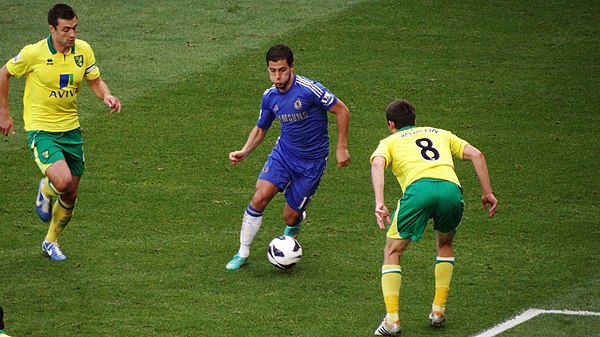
250 226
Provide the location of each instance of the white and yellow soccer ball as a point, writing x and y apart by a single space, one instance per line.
284 252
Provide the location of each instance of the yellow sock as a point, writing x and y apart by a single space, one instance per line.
48 189
61 215
444 266
391 278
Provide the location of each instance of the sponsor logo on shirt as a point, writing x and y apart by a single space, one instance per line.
286 118
64 81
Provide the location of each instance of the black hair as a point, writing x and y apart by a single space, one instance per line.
1 318
280 52
401 112
60 11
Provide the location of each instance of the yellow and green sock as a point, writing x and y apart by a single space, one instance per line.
61 215
391 279
444 266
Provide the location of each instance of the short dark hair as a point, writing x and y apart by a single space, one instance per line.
401 112
280 52
1 318
60 11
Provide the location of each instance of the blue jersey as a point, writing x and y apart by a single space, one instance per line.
302 113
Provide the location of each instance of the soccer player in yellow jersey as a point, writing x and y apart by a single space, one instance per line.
421 160
55 68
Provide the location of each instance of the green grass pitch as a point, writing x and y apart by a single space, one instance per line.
160 207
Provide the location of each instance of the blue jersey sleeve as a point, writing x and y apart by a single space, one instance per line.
320 96
266 116
327 99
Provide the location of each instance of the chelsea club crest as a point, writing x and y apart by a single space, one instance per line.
297 104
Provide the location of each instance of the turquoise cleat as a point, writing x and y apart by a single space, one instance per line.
293 231
236 262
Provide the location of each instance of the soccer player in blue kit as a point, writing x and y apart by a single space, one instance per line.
297 161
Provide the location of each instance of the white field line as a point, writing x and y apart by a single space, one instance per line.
527 315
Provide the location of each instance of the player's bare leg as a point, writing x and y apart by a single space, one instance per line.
292 219
251 221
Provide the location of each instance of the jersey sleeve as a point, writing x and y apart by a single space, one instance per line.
383 150
326 98
20 64
265 116
91 69
457 145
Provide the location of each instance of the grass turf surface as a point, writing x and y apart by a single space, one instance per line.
159 208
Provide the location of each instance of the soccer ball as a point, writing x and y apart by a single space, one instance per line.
284 252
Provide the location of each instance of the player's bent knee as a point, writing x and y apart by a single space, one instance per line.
259 203
61 185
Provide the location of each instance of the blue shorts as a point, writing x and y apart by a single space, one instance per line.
298 178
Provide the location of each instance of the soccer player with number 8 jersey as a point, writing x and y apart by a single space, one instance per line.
421 158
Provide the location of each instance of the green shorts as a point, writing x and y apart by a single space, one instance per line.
426 199
50 147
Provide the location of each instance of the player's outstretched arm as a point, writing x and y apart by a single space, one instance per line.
6 122
101 91
342 115
487 196
378 179
254 139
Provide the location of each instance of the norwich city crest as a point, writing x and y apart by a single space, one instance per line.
79 60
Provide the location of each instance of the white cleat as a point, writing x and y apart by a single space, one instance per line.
388 330
52 251
437 318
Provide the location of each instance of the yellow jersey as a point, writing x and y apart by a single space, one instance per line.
421 152
53 83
